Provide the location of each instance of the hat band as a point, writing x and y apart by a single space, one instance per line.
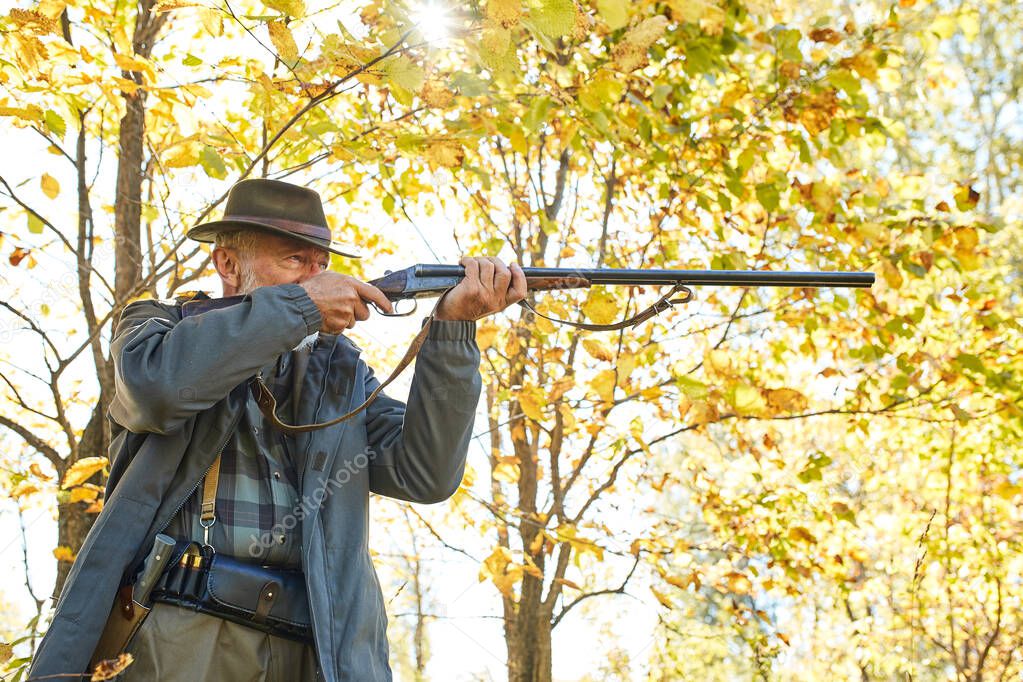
304 229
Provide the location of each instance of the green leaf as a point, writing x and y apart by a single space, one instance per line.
787 44
493 246
697 390
604 90
211 162
388 203
468 84
554 18
55 123
614 12
767 195
537 113
191 60
970 362
405 73
35 225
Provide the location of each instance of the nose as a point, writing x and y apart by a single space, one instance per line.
312 267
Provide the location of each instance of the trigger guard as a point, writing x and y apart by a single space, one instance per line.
397 312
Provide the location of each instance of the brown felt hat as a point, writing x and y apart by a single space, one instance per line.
272 206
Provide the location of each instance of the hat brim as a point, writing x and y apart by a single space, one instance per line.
207 233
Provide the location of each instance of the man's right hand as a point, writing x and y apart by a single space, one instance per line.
342 300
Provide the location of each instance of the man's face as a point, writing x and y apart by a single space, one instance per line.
279 260
272 259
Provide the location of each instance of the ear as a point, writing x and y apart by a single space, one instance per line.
227 265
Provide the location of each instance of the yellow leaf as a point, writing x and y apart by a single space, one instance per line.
437 95
614 12
170 5
445 153
129 63
507 469
532 569
37 471
600 306
504 12
531 398
495 41
604 89
554 18
738 583
559 388
604 385
485 335
83 494
630 53
6 652
890 274
718 362
283 41
24 489
182 155
598 349
786 399
64 553
801 534
704 412
748 400
81 470
568 583
291 8
29 113
49 185
663 598
111 668
51 8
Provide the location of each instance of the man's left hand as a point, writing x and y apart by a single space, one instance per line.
489 287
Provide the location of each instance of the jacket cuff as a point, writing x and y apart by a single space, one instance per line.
452 330
310 313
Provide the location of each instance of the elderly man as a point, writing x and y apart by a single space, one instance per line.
281 515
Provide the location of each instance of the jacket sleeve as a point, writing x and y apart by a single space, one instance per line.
166 370
418 450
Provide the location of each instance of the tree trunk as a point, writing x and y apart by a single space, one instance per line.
528 637
73 523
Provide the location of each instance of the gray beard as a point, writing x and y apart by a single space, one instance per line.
248 282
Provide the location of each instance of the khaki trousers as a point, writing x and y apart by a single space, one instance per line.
175 644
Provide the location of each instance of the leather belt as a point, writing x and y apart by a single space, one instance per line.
267 598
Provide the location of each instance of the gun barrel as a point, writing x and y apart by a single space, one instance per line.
750 278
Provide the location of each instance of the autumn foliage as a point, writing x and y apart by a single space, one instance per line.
788 483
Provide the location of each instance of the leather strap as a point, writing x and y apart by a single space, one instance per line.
268 404
209 499
264 397
664 303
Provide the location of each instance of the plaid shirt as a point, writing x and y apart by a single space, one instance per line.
259 489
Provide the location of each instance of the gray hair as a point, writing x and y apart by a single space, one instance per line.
245 242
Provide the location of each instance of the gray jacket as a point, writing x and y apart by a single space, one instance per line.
180 385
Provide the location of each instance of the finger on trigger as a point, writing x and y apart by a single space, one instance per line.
368 292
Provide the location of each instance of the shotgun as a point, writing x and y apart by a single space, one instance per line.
431 280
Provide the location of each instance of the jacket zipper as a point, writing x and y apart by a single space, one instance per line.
195 487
